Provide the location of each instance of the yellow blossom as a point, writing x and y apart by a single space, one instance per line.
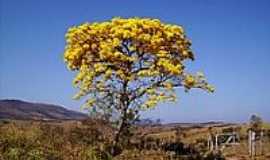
132 52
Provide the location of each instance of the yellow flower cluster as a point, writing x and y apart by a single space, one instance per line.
127 50
197 81
157 95
99 41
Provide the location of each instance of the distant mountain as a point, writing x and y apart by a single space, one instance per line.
21 110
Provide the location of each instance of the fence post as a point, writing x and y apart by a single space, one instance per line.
234 135
208 142
261 143
216 142
253 144
250 142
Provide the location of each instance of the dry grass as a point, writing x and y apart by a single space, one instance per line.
90 139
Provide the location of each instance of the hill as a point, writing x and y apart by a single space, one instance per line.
21 110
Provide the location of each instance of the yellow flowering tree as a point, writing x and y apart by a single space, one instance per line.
129 65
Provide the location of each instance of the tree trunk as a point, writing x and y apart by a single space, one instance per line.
124 118
120 130
123 121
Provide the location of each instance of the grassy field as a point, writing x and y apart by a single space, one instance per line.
92 139
197 137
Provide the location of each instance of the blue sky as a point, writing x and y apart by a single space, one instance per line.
231 41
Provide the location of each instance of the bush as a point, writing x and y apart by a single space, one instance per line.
42 141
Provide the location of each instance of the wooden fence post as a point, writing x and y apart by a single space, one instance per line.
261 143
253 138
210 143
216 142
252 143
251 147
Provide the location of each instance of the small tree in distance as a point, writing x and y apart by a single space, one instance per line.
255 122
129 65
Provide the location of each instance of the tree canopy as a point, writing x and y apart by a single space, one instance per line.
130 64
255 122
